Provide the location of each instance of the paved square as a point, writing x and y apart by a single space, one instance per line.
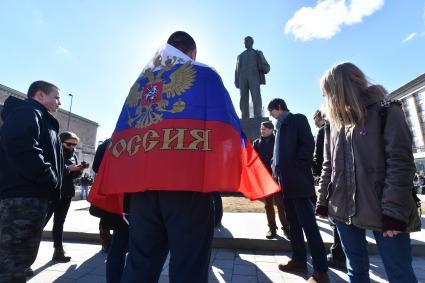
230 266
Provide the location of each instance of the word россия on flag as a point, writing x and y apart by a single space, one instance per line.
178 130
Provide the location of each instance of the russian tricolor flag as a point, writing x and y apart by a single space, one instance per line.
178 131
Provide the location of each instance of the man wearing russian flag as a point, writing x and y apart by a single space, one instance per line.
177 139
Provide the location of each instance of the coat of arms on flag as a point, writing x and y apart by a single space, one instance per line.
148 96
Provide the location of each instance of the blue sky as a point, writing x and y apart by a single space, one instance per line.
96 49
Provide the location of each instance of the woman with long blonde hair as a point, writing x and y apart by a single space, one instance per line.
367 176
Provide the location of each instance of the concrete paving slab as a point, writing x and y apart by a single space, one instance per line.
242 231
88 265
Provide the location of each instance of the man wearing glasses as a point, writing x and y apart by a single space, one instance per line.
31 168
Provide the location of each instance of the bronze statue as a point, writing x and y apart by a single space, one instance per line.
251 67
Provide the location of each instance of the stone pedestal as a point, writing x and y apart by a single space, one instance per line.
251 127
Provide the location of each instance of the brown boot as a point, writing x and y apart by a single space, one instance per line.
319 277
293 266
59 255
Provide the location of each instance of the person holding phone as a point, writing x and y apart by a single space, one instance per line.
59 204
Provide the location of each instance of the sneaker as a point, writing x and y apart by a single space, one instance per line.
271 233
59 255
338 263
285 229
29 272
319 277
293 266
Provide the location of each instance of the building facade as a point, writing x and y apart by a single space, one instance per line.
85 129
412 95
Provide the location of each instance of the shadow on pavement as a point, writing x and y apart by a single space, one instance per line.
91 270
222 232
43 267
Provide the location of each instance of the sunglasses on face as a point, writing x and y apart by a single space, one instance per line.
70 144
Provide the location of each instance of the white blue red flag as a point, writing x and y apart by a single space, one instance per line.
178 130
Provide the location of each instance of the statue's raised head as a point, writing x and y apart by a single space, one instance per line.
249 42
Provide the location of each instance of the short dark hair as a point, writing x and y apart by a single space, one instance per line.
182 41
268 125
43 86
277 104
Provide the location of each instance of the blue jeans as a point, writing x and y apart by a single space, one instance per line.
116 256
300 216
84 192
395 253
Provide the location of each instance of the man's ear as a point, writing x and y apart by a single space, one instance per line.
192 54
38 95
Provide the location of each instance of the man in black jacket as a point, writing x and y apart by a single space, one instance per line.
292 159
319 122
31 167
264 147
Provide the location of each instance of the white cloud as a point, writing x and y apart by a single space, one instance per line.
409 37
328 16
62 50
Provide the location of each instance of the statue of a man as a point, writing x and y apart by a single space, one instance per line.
251 67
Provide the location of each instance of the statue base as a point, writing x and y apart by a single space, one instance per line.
251 127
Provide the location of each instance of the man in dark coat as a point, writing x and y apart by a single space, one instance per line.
31 167
292 159
319 122
264 146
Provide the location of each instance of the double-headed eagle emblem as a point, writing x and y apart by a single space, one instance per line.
146 105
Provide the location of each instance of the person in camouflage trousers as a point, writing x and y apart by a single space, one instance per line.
31 168
20 234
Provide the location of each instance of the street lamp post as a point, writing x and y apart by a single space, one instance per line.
70 109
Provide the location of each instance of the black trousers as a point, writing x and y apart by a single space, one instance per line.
301 218
58 207
169 221
218 208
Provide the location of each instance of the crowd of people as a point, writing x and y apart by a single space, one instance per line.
362 161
